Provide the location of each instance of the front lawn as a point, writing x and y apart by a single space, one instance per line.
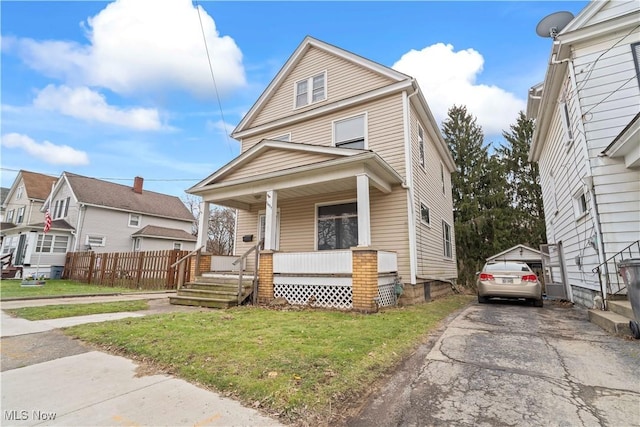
299 364
12 289
72 310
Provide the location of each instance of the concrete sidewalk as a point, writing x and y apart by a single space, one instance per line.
98 389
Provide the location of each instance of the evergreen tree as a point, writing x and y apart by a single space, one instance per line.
523 184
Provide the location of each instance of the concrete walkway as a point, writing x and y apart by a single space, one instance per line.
98 389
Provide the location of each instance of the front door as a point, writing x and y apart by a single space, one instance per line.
553 269
21 250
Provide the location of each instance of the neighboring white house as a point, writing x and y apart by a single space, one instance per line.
587 144
96 215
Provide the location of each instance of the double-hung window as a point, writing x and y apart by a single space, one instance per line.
350 132
421 146
337 226
425 214
134 220
10 215
310 90
446 239
20 215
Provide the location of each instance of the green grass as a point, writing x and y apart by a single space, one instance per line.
300 364
12 289
72 310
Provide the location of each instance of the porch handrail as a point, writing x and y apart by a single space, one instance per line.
240 260
605 264
181 263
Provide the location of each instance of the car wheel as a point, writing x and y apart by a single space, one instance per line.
635 329
482 300
538 302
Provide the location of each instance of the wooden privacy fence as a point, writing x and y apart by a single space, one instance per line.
135 270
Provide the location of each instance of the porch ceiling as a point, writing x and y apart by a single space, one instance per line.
309 180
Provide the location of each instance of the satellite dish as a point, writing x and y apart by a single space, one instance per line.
552 24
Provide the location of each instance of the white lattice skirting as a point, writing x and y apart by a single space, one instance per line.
328 296
386 294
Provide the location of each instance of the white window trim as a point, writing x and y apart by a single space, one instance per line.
93 236
366 128
444 243
54 239
577 204
19 215
137 244
566 122
443 180
11 215
131 215
179 244
281 136
309 90
315 217
422 158
423 203
19 192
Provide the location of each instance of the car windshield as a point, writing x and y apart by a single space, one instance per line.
507 266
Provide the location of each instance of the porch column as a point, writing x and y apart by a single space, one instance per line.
365 279
203 224
364 216
270 221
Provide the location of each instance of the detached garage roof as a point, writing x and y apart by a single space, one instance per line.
517 253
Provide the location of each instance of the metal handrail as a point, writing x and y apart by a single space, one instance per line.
256 248
620 255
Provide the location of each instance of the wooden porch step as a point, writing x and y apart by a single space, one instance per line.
203 302
233 288
213 293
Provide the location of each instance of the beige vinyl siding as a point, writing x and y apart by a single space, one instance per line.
272 160
343 80
428 189
385 131
298 216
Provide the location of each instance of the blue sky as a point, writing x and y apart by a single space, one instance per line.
121 89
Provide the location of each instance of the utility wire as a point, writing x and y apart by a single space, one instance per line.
213 77
118 179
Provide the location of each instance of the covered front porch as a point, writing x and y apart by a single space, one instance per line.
313 209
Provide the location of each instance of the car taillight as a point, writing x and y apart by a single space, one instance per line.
485 276
529 278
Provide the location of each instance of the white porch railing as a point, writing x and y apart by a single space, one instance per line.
323 262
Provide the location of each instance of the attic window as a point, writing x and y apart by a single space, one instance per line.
313 89
19 192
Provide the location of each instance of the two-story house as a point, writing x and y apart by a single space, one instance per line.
92 214
22 213
344 174
587 145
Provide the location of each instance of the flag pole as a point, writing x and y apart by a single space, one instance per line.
47 227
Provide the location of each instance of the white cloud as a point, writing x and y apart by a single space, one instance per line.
45 151
448 78
84 103
140 46
219 126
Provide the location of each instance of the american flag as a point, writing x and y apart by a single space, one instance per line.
47 221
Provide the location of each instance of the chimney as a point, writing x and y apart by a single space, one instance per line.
137 184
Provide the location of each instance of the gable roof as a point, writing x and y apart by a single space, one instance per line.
518 252
95 192
36 185
266 144
164 233
293 60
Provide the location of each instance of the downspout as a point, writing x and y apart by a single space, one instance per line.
79 224
413 260
588 182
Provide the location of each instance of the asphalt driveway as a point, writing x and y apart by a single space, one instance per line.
508 364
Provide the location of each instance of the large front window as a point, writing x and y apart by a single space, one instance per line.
337 226
50 243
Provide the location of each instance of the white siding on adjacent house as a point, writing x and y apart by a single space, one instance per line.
343 80
612 9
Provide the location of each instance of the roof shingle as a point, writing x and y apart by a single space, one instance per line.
164 232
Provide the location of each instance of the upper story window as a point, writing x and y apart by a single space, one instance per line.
442 178
134 220
10 215
313 89
350 132
61 208
19 192
580 206
425 214
421 146
20 215
446 239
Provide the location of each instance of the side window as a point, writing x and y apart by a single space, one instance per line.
311 90
134 220
446 239
421 146
350 132
425 214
